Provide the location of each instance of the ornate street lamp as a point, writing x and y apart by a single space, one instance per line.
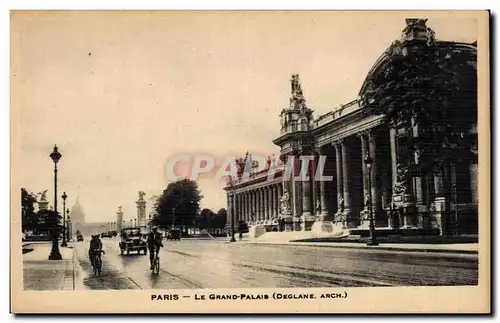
369 162
68 226
64 197
55 254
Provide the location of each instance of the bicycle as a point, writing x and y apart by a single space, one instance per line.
155 261
97 262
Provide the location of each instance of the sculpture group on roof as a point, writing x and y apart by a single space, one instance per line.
297 100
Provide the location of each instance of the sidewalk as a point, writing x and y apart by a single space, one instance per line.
287 239
465 248
39 273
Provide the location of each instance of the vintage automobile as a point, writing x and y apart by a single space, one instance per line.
174 234
79 237
132 239
106 234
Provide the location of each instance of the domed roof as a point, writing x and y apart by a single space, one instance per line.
415 31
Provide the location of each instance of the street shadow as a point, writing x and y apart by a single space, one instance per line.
154 278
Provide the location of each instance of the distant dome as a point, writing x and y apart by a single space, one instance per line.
77 213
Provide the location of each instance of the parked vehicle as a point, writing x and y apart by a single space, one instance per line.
132 239
106 234
174 234
79 237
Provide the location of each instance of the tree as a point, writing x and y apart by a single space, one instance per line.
51 220
29 217
221 219
204 219
178 204
434 86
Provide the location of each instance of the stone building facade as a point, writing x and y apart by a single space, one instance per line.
345 136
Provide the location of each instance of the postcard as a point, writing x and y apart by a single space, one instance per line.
250 162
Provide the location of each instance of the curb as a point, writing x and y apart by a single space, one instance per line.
26 244
426 250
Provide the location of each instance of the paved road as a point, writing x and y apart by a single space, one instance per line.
216 264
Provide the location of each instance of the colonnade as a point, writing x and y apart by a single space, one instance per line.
258 204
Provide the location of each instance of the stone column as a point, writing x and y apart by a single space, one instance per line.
263 204
141 212
236 211
345 175
273 192
257 205
244 214
261 193
375 193
228 219
394 159
249 205
275 201
119 219
324 213
241 207
272 211
254 205
323 224
307 218
440 207
269 204
364 216
279 192
340 180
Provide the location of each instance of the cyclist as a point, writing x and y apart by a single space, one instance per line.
95 246
154 242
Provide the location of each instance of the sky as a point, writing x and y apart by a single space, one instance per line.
122 92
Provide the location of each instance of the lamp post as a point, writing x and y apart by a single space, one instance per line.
64 197
369 162
55 254
68 226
